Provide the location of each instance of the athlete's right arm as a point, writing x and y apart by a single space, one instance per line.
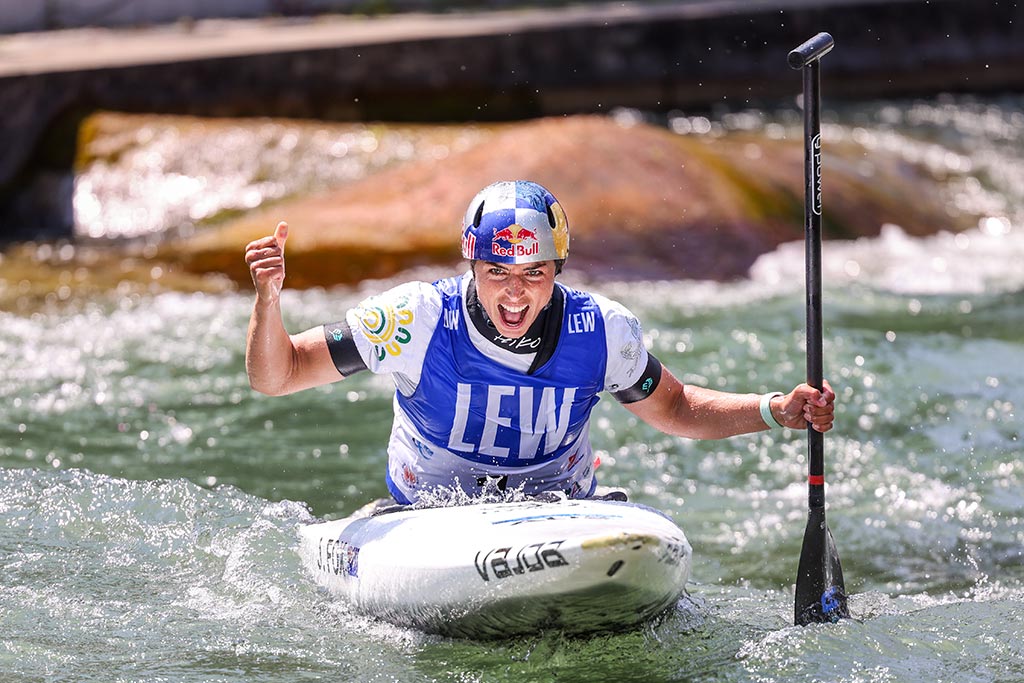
278 363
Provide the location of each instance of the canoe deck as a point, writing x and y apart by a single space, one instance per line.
501 569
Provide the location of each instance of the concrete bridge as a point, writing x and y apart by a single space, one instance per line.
483 66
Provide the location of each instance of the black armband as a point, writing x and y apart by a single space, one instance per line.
343 349
644 386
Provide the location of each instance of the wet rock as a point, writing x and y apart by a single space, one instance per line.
642 201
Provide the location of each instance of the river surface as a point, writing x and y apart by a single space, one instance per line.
149 500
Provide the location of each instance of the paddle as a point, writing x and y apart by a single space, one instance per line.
820 593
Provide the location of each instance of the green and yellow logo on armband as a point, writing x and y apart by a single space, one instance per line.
386 326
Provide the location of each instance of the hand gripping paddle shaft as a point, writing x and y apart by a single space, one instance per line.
820 593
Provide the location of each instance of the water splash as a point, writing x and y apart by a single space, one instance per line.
149 176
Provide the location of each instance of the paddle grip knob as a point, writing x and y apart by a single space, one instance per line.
815 48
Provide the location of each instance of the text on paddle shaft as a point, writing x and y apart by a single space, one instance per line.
501 563
816 174
542 420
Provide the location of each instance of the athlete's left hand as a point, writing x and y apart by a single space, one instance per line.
806 405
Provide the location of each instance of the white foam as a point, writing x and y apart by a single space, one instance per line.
986 259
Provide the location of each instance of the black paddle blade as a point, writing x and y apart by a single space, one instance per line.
820 592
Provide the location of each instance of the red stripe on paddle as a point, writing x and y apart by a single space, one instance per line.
816 479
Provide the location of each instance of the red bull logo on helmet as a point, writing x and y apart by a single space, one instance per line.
518 241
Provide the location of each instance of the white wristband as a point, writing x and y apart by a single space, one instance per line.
766 410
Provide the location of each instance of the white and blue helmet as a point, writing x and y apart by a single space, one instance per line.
513 222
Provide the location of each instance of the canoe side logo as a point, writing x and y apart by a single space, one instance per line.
338 557
672 552
501 563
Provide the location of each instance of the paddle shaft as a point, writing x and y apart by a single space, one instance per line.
807 58
812 266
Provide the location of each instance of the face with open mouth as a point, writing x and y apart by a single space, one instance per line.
514 295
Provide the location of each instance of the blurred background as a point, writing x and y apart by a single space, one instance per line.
64 63
149 498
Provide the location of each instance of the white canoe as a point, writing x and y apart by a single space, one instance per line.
500 569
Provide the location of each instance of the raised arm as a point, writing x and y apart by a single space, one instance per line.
278 363
699 413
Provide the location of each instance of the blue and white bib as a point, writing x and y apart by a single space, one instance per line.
464 419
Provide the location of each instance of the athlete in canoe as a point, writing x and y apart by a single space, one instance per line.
497 370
